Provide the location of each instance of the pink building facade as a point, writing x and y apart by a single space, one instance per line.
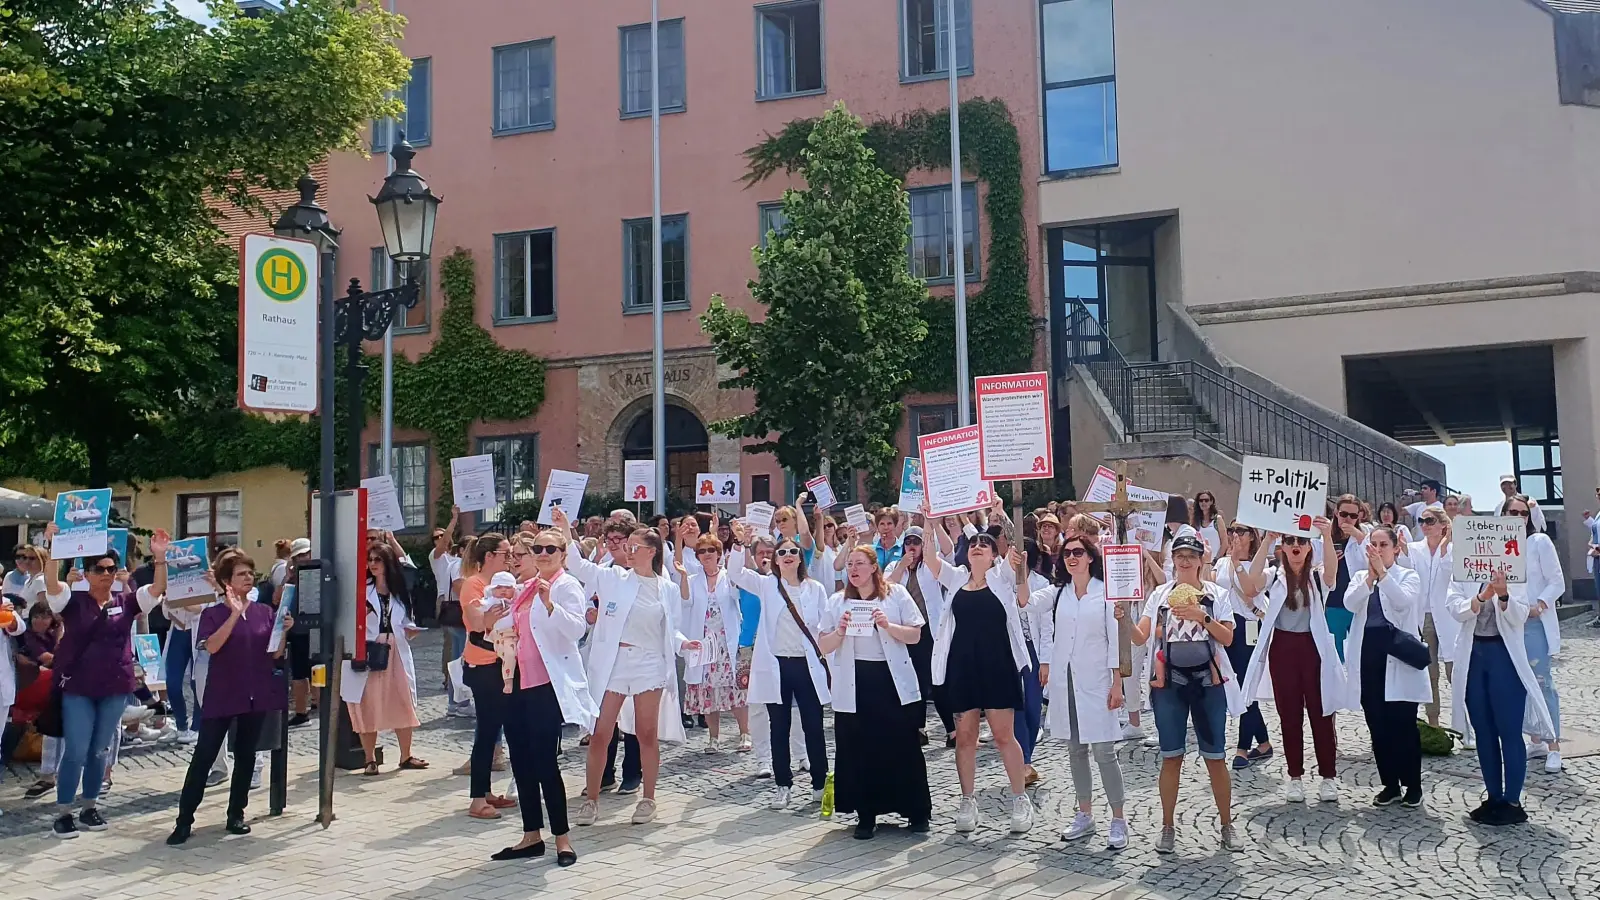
532 122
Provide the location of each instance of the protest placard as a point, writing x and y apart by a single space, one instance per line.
1124 567
759 516
564 489
472 482
83 521
952 472
861 625
821 491
1014 426
1282 495
1483 545
1144 527
912 492
639 476
383 504
147 653
717 488
856 517
186 572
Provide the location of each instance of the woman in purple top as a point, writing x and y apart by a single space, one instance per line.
242 686
94 672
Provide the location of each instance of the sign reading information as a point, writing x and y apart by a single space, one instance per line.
1282 495
1014 426
951 472
1483 545
277 324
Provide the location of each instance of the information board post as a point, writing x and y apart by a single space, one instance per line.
1120 508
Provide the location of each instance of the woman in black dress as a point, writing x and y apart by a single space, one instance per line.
978 656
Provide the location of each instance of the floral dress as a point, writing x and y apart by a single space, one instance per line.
718 691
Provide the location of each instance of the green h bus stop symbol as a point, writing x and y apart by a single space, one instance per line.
281 275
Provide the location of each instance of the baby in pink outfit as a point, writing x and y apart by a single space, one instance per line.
503 589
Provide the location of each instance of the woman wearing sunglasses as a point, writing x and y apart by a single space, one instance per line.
487 556
711 616
94 672
1545 585
979 655
1348 542
1242 573
1432 560
786 666
1208 522
549 687
1081 654
636 639
1307 678
386 700
876 700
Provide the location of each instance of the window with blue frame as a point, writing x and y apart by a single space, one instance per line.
1080 85
416 123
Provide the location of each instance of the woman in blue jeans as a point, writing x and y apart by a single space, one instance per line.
94 673
1191 679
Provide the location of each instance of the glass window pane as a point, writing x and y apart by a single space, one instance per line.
1081 282
1077 40
542 267
772 220
541 85
776 59
927 34
1081 125
196 516
674 260
512 292
227 507
417 122
1530 457
513 100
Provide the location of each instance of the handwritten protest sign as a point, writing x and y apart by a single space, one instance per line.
1483 545
952 472
1014 426
1282 495
1144 527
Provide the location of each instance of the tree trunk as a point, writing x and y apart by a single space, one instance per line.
99 460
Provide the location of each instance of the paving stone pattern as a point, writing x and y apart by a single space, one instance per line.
404 835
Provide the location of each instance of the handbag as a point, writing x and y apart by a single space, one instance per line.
378 651
804 630
1409 649
49 722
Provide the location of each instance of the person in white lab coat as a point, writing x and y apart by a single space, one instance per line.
1508 493
1302 673
787 667
1348 541
1080 653
1498 687
1386 605
910 572
878 762
1240 569
636 638
1431 558
1546 583
385 700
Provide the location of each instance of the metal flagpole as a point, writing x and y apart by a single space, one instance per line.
388 334
958 232
658 417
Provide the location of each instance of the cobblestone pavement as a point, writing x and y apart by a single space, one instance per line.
404 835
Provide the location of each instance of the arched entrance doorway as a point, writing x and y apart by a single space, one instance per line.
688 448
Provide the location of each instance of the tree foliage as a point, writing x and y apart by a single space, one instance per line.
830 362
123 129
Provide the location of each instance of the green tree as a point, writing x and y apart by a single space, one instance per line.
123 129
829 364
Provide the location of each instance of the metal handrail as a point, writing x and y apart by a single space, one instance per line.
1186 398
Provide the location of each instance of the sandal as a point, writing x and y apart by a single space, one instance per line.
371 769
411 762
488 812
501 802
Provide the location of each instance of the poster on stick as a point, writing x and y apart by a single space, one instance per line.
1124 572
717 488
1282 495
952 472
1144 527
640 478
1483 545
1014 426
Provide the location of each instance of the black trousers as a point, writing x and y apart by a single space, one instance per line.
533 740
796 689
922 660
1396 743
492 704
213 734
1252 727
632 766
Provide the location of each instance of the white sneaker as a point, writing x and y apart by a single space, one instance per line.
1295 792
780 800
255 778
1538 749
1021 814
1132 733
967 816
1082 826
167 733
764 770
645 812
805 765
816 795
984 734
1118 839
188 737
588 811
148 735
1328 792
1552 763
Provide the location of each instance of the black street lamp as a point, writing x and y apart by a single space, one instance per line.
406 210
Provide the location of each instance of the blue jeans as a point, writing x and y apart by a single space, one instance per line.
455 641
88 725
180 657
1173 710
1495 701
1538 646
1026 722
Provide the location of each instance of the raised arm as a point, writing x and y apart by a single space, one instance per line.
1253 578
806 541
564 613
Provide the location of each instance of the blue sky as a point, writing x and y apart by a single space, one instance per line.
1475 468
194 9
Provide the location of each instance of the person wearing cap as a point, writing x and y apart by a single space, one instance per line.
298 643
913 574
1508 491
1192 623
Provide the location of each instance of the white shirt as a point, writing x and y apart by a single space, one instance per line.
868 648
446 570
791 641
646 625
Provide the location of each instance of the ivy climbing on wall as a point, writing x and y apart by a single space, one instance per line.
1000 325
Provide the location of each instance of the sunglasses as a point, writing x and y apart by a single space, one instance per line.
706 551
789 551
1517 512
543 550
1428 520
103 570
1296 541
374 559
1240 531
1349 515
1074 552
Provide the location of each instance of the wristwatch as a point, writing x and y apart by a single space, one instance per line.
1208 621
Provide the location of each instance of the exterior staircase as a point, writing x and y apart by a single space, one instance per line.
1203 405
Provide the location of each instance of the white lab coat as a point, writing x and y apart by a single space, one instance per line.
1434 570
1080 638
1546 582
1535 515
556 633
726 597
932 590
1258 678
1400 595
1000 579
899 609
1511 620
617 587
353 684
8 659
1031 617
810 600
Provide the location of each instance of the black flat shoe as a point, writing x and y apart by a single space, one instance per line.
918 826
865 831
178 836
528 852
565 858
238 826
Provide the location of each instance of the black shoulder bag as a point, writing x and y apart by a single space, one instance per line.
378 651
49 722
